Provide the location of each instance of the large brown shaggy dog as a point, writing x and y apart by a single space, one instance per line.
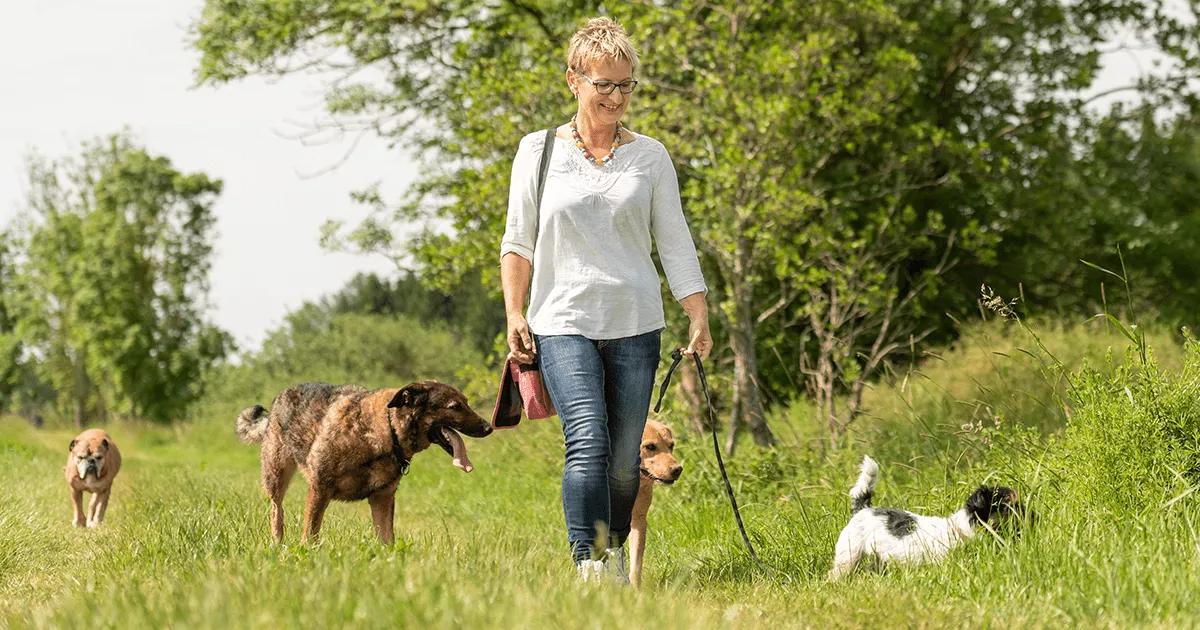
352 444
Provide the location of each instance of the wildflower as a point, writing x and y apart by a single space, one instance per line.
996 304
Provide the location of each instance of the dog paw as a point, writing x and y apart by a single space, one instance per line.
93 524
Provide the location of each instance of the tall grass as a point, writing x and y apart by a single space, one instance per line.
994 375
1114 543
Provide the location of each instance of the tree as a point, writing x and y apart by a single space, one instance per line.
1012 88
111 289
320 342
851 168
1133 181
1020 177
10 345
746 212
778 119
476 316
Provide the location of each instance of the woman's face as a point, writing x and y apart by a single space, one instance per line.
602 109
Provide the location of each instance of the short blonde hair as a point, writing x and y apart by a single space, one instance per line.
601 38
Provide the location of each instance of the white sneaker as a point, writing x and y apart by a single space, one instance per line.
615 567
590 570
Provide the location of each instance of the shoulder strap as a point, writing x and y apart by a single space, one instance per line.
547 149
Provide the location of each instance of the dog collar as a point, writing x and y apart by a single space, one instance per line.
398 451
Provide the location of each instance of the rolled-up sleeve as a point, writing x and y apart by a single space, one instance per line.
520 228
676 250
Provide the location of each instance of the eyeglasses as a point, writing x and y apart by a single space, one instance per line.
605 86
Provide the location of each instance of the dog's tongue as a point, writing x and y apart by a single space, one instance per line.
460 450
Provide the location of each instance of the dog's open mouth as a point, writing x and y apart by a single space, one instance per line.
452 443
666 482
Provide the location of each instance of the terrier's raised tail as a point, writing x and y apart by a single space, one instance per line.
864 489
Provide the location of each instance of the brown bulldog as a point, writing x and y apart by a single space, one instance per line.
92 464
352 444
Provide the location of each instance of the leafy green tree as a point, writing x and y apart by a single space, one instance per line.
976 159
358 348
111 290
1134 181
777 121
1005 186
10 345
852 169
317 343
1011 87
1154 212
476 315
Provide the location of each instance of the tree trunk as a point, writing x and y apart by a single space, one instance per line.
745 362
827 389
735 423
745 381
822 385
80 397
693 399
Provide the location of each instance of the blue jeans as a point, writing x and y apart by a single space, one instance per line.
602 392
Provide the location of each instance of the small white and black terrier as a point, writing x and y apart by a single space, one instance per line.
891 535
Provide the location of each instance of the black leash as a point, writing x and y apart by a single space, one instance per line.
676 357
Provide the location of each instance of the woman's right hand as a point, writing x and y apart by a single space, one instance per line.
520 340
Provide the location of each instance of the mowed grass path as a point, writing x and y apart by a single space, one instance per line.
186 544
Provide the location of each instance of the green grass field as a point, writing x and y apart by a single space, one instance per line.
1116 542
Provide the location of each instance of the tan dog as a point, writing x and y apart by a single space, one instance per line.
353 444
93 461
658 466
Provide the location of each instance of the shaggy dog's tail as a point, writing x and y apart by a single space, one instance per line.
864 488
251 424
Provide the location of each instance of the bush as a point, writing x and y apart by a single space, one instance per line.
1133 443
992 376
368 350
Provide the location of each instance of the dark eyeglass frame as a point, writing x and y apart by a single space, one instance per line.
604 86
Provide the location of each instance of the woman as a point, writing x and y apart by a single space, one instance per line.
595 311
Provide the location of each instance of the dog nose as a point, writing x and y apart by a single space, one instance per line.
676 471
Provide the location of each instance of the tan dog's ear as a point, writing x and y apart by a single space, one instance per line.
104 445
413 395
71 446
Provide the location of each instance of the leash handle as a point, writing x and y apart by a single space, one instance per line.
676 357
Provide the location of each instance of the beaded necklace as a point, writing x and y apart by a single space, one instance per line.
612 152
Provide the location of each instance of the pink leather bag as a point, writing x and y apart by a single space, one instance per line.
521 389
521 386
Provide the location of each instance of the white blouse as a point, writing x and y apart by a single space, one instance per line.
590 248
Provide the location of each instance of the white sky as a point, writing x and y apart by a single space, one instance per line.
71 70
